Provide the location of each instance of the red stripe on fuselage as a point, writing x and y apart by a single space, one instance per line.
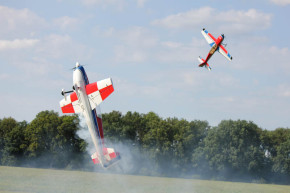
100 125
219 41
207 58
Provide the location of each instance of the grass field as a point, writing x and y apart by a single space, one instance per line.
15 179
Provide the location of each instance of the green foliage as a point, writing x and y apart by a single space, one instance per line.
233 150
277 147
169 143
12 143
48 141
282 160
52 140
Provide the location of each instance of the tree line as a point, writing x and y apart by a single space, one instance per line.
233 150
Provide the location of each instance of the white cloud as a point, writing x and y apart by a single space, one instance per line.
138 36
186 20
281 2
128 54
136 44
283 90
170 44
17 44
140 3
119 4
66 22
4 76
233 20
55 46
38 57
178 53
109 32
260 57
22 22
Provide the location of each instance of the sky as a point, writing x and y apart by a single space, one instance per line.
150 49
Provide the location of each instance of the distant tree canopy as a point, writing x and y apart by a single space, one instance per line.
48 141
233 150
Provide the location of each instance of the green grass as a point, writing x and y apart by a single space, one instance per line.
15 179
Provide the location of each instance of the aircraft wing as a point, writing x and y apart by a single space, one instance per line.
99 91
224 52
209 38
70 104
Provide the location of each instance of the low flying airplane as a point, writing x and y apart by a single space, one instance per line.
216 45
85 98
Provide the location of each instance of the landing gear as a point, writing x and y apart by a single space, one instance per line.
63 92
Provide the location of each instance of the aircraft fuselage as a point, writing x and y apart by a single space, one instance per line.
80 81
214 47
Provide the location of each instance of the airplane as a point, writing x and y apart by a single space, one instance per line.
216 45
85 98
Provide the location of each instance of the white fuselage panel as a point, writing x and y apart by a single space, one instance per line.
80 88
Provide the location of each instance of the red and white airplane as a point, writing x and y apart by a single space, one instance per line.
85 99
216 45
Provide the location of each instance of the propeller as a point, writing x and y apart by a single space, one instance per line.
77 65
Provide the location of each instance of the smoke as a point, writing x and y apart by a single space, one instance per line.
84 133
132 160
135 160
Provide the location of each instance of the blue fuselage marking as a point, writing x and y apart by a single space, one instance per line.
84 74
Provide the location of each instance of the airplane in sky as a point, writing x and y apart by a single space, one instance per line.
85 98
216 45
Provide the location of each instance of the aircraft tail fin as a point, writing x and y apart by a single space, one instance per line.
110 156
203 63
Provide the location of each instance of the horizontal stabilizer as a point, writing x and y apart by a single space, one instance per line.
95 158
110 157
203 63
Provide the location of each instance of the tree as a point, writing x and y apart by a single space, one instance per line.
231 150
112 126
277 149
272 139
157 142
282 160
187 136
53 141
12 143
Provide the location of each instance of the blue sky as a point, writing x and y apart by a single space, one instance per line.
150 49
